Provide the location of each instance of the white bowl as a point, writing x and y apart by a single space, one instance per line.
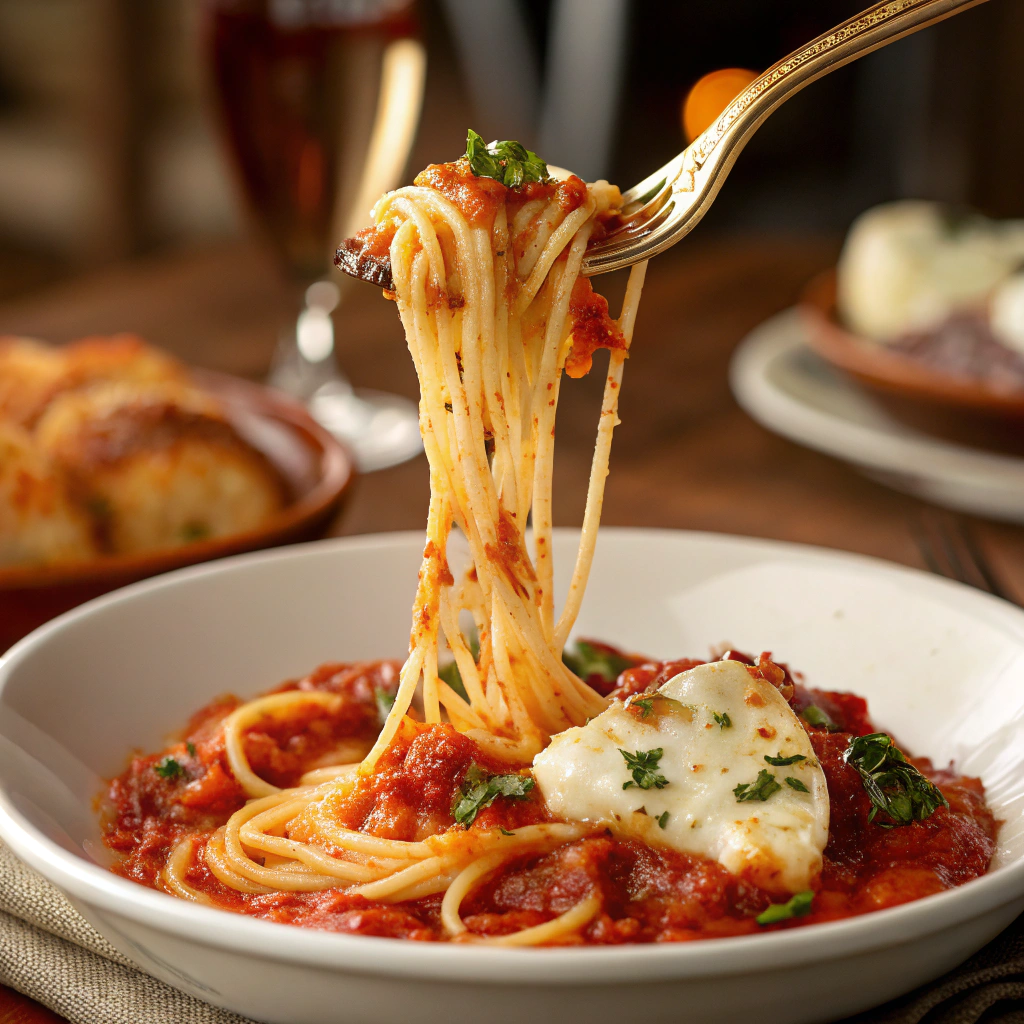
942 667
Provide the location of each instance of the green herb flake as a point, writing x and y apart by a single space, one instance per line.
796 784
761 788
168 768
662 819
813 715
385 702
894 786
505 831
798 906
643 766
479 788
587 660
509 162
645 704
191 748
723 720
782 762
652 703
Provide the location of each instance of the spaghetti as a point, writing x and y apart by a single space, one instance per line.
415 801
487 282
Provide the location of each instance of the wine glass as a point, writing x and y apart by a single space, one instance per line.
320 101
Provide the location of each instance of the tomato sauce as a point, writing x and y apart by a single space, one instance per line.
648 894
592 328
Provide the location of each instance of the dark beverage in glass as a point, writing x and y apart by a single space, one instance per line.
298 85
319 101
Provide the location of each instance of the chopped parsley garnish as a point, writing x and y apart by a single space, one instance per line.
781 762
168 768
643 766
798 906
385 702
191 748
813 715
479 789
653 702
796 784
645 704
894 786
588 660
761 788
662 819
509 162
505 831
723 720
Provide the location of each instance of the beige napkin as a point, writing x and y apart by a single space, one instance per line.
48 952
51 954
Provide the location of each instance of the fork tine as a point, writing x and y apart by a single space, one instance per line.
949 548
975 556
659 181
643 213
953 552
622 238
926 549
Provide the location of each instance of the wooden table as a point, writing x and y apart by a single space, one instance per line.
685 455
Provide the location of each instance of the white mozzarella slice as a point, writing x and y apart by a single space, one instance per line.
776 843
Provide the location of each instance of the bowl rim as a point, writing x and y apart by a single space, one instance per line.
336 474
95 886
888 371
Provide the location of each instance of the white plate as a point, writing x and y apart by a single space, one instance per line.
942 666
779 381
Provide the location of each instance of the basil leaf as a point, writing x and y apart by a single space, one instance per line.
798 906
509 162
450 673
587 660
893 785
813 715
385 702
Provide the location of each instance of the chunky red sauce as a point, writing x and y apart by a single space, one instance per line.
478 198
648 894
592 328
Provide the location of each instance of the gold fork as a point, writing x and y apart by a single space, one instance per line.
667 204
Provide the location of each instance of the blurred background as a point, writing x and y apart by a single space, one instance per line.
110 147
184 169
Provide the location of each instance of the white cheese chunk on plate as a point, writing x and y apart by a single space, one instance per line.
775 843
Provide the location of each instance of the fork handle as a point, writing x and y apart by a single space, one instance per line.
871 29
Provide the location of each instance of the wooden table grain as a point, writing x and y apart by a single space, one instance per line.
685 455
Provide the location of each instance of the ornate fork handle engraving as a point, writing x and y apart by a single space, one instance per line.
860 35
667 204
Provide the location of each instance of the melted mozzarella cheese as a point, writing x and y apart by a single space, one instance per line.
776 843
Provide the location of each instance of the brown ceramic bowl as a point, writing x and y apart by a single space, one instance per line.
961 409
317 472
